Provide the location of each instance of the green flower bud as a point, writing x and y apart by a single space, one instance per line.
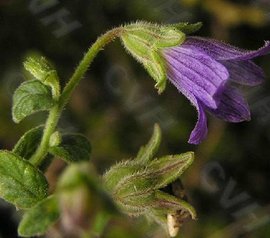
135 186
42 70
55 139
82 200
145 41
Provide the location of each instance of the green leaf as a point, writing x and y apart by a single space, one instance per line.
30 97
21 183
73 148
188 28
28 143
147 152
40 218
168 168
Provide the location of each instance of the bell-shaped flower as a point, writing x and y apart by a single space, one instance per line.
207 72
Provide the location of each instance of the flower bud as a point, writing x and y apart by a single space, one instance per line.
55 139
82 199
42 70
39 67
136 186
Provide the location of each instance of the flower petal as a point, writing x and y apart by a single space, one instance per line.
245 72
222 51
200 130
232 106
199 133
194 73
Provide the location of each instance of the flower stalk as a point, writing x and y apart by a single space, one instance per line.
80 71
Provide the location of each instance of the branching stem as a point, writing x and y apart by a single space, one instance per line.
80 71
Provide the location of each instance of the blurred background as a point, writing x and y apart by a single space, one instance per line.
116 105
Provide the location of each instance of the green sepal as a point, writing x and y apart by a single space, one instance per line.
171 204
136 206
43 71
167 169
156 67
134 185
145 42
21 183
188 28
147 152
170 37
31 97
40 218
73 148
153 35
28 143
148 57
119 171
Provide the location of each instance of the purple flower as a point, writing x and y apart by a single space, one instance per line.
204 69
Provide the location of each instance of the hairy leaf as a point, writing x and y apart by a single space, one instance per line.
31 96
73 148
28 143
40 218
21 183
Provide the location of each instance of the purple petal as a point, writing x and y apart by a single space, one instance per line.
199 133
232 107
195 74
244 72
222 51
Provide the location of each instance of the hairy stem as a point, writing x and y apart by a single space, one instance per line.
86 62
80 71
50 126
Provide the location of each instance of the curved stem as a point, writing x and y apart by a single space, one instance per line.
55 112
86 61
49 129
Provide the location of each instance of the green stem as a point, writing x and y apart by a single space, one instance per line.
50 126
55 112
86 61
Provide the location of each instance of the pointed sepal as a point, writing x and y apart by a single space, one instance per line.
168 168
147 152
145 41
188 28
